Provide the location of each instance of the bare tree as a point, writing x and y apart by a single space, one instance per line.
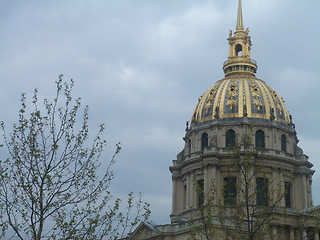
247 210
247 204
53 184
204 223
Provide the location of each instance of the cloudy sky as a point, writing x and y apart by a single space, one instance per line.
142 64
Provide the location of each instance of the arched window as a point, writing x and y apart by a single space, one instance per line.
230 138
204 141
260 142
238 50
283 143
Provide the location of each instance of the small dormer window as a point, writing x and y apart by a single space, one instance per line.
260 140
230 138
204 141
283 143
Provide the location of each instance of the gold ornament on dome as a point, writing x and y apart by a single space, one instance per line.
256 95
276 99
232 94
209 101
207 106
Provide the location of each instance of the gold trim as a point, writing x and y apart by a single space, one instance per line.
241 101
227 115
202 100
232 94
259 115
265 100
217 98
248 97
271 101
286 112
222 99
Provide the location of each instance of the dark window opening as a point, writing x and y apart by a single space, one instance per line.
230 191
237 67
288 187
262 191
260 141
189 147
238 50
200 191
230 138
204 141
283 143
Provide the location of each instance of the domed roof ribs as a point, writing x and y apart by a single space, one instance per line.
239 17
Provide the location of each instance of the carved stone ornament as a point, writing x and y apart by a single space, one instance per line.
256 95
276 99
209 101
232 94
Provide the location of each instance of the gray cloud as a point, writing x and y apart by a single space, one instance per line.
141 66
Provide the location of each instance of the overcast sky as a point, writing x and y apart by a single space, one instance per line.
142 64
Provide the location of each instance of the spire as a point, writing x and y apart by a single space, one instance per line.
239 61
239 18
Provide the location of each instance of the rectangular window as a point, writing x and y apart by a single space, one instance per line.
200 191
262 191
288 187
230 191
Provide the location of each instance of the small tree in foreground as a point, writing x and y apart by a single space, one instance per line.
53 185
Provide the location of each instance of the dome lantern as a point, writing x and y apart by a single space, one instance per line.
239 60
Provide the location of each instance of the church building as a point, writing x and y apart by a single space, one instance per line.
241 147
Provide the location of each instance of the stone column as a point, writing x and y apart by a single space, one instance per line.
188 204
304 234
292 233
282 190
309 192
316 234
274 232
174 194
180 196
297 192
206 180
274 185
214 180
304 191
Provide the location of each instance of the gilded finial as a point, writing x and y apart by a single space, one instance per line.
239 17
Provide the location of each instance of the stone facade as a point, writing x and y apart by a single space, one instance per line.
280 166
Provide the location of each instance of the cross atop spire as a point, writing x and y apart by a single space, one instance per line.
239 18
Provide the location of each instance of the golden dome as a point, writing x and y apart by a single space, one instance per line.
240 96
